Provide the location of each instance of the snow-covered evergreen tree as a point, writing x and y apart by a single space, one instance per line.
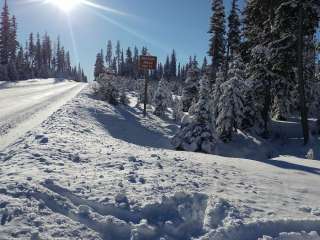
109 54
230 108
5 34
217 31
99 65
215 96
196 133
177 110
161 98
259 81
190 91
4 73
202 111
234 33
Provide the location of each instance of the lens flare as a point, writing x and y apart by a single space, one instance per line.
65 5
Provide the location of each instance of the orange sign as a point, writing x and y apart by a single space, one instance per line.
147 62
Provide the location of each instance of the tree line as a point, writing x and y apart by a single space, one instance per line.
40 57
263 67
125 63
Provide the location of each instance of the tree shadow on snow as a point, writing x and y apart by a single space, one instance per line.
123 123
292 166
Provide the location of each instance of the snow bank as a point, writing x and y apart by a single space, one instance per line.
258 229
294 236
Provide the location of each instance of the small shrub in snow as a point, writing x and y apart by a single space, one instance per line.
108 90
124 98
310 154
194 137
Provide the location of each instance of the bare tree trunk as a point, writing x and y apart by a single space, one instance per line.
301 81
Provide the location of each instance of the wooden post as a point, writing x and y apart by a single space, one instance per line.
145 94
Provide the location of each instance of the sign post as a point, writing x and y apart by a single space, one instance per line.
147 63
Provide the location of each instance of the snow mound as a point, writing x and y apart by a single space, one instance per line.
257 229
294 236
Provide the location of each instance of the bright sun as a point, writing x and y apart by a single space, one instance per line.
65 5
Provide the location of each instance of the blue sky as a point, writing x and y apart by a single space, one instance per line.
159 25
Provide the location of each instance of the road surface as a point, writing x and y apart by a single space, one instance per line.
25 105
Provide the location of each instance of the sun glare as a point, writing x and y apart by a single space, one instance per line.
65 5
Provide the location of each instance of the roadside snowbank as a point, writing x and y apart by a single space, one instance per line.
85 174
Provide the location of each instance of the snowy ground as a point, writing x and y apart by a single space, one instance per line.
93 171
26 104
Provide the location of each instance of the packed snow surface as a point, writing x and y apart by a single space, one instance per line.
26 104
96 171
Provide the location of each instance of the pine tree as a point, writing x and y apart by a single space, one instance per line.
13 43
144 51
234 33
109 54
173 65
122 64
118 56
204 65
99 66
217 38
256 51
177 111
195 133
129 63
12 71
161 98
5 35
166 69
21 65
31 54
135 62
4 73
230 109
38 57
202 111
190 91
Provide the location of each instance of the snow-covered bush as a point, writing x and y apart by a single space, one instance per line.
190 91
194 137
161 98
177 111
123 97
107 88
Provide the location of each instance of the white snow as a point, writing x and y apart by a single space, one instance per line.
26 104
96 171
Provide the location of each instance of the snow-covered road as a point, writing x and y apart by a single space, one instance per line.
25 105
